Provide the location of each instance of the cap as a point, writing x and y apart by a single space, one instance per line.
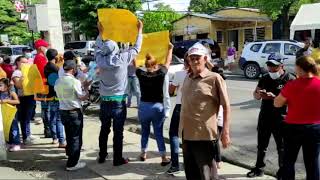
198 49
40 43
275 59
69 55
69 64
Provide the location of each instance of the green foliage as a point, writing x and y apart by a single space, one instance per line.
160 19
83 14
210 6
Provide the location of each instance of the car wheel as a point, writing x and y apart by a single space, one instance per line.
251 71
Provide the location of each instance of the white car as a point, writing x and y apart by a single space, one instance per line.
255 55
81 47
13 51
176 65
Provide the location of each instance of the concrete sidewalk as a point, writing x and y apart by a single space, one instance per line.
44 161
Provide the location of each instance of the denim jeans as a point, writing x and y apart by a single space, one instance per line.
73 123
25 109
56 125
174 136
116 111
14 138
152 113
133 89
45 117
308 137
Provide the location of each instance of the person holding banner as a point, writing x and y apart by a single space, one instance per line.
27 103
10 97
151 109
113 72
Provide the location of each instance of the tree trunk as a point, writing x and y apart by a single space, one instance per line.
285 21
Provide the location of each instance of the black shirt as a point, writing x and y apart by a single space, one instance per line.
151 84
274 86
51 73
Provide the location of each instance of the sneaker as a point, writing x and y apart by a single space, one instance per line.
173 170
121 162
80 165
14 148
55 141
32 137
62 145
28 141
101 159
255 172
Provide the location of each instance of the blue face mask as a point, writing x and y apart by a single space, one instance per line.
28 55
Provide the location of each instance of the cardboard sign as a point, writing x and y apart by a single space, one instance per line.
32 82
8 113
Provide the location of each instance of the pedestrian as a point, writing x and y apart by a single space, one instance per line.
25 108
27 52
302 123
113 72
231 56
203 92
151 109
51 73
306 50
176 86
270 121
7 66
10 97
133 85
70 94
40 60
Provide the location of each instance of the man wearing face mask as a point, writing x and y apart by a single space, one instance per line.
270 118
27 52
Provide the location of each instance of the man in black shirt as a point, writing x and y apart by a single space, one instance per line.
270 118
305 51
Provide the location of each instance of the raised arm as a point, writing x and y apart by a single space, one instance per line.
169 56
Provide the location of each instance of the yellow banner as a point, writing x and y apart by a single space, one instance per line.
316 55
156 44
119 25
8 113
32 81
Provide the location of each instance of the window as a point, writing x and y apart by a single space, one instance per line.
248 35
75 45
290 49
219 37
272 48
6 51
260 33
17 50
256 47
176 60
178 38
202 36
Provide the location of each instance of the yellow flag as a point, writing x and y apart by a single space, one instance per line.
8 113
156 44
32 82
119 25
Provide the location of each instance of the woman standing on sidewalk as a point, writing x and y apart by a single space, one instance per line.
151 109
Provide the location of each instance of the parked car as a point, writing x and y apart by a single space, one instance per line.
255 55
86 48
13 51
175 66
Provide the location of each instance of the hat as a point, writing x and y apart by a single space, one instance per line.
198 49
69 55
275 59
40 43
51 54
69 64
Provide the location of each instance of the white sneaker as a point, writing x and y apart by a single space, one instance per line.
80 165
28 141
14 148
32 137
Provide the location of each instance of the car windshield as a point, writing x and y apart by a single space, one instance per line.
176 60
75 45
6 51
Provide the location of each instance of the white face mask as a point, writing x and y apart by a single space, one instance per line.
275 75
28 55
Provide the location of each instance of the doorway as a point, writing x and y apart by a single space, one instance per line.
233 36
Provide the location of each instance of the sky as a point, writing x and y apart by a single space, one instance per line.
178 5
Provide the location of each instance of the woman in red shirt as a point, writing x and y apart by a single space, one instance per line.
302 123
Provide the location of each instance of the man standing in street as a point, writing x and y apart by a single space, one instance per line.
70 94
203 92
113 72
306 50
270 118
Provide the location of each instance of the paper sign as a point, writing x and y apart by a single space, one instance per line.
156 44
119 25
8 113
32 82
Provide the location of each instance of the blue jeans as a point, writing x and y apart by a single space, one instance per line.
152 112
306 136
174 136
133 89
14 138
116 111
56 125
25 109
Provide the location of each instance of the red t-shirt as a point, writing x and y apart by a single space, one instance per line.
41 61
8 68
303 98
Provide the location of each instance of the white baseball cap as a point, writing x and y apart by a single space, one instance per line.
198 49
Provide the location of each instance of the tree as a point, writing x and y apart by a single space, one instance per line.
210 6
161 19
83 14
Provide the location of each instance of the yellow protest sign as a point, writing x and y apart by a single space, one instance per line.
32 81
8 113
156 44
316 55
119 25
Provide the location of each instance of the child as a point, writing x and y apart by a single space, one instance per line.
10 97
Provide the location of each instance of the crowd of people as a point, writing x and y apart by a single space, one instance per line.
201 116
